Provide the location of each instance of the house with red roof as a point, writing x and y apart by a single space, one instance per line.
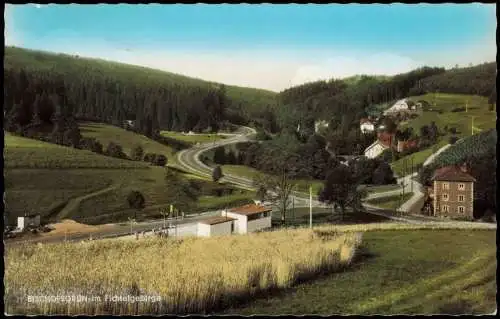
250 218
384 141
452 192
366 125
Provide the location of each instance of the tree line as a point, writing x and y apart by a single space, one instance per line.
104 98
476 80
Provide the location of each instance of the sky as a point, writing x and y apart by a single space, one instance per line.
264 46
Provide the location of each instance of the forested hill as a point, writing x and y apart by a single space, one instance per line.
344 102
475 80
113 92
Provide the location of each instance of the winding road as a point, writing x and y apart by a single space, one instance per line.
189 160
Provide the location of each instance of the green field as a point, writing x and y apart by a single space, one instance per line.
240 197
478 108
372 189
398 167
250 173
193 139
20 152
105 134
320 216
390 202
400 272
61 182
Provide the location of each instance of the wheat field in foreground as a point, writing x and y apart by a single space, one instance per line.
193 275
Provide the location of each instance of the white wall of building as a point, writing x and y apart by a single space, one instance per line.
184 230
319 125
367 127
258 224
203 230
374 150
240 224
23 222
399 105
220 229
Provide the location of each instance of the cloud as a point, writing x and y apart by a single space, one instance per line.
345 66
265 70
38 6
272 70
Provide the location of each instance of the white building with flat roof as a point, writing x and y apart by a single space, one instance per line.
25 221
215 226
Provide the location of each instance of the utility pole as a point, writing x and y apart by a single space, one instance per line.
164 214
403 194
131 220
310 208
176 214
411 181
472 126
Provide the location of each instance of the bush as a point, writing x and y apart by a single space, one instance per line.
150 158
261 135
115 150
217 174
160 160
386 155
136 200
458 109
137 153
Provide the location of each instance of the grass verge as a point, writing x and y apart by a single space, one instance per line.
402 272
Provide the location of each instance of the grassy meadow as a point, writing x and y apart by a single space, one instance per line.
302 185
401 271
194 275
390 202
62 182
418 159
477 108
320 216
105 134
194 138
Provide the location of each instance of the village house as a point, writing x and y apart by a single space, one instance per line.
452 192
366 125
403 145
249 218
28 220
128 124
320 125
384 141
396 107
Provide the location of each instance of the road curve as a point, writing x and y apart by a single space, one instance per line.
190 161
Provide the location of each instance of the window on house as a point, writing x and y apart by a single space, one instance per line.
446 186
461 186
461 198
445 197
445 208
461 209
